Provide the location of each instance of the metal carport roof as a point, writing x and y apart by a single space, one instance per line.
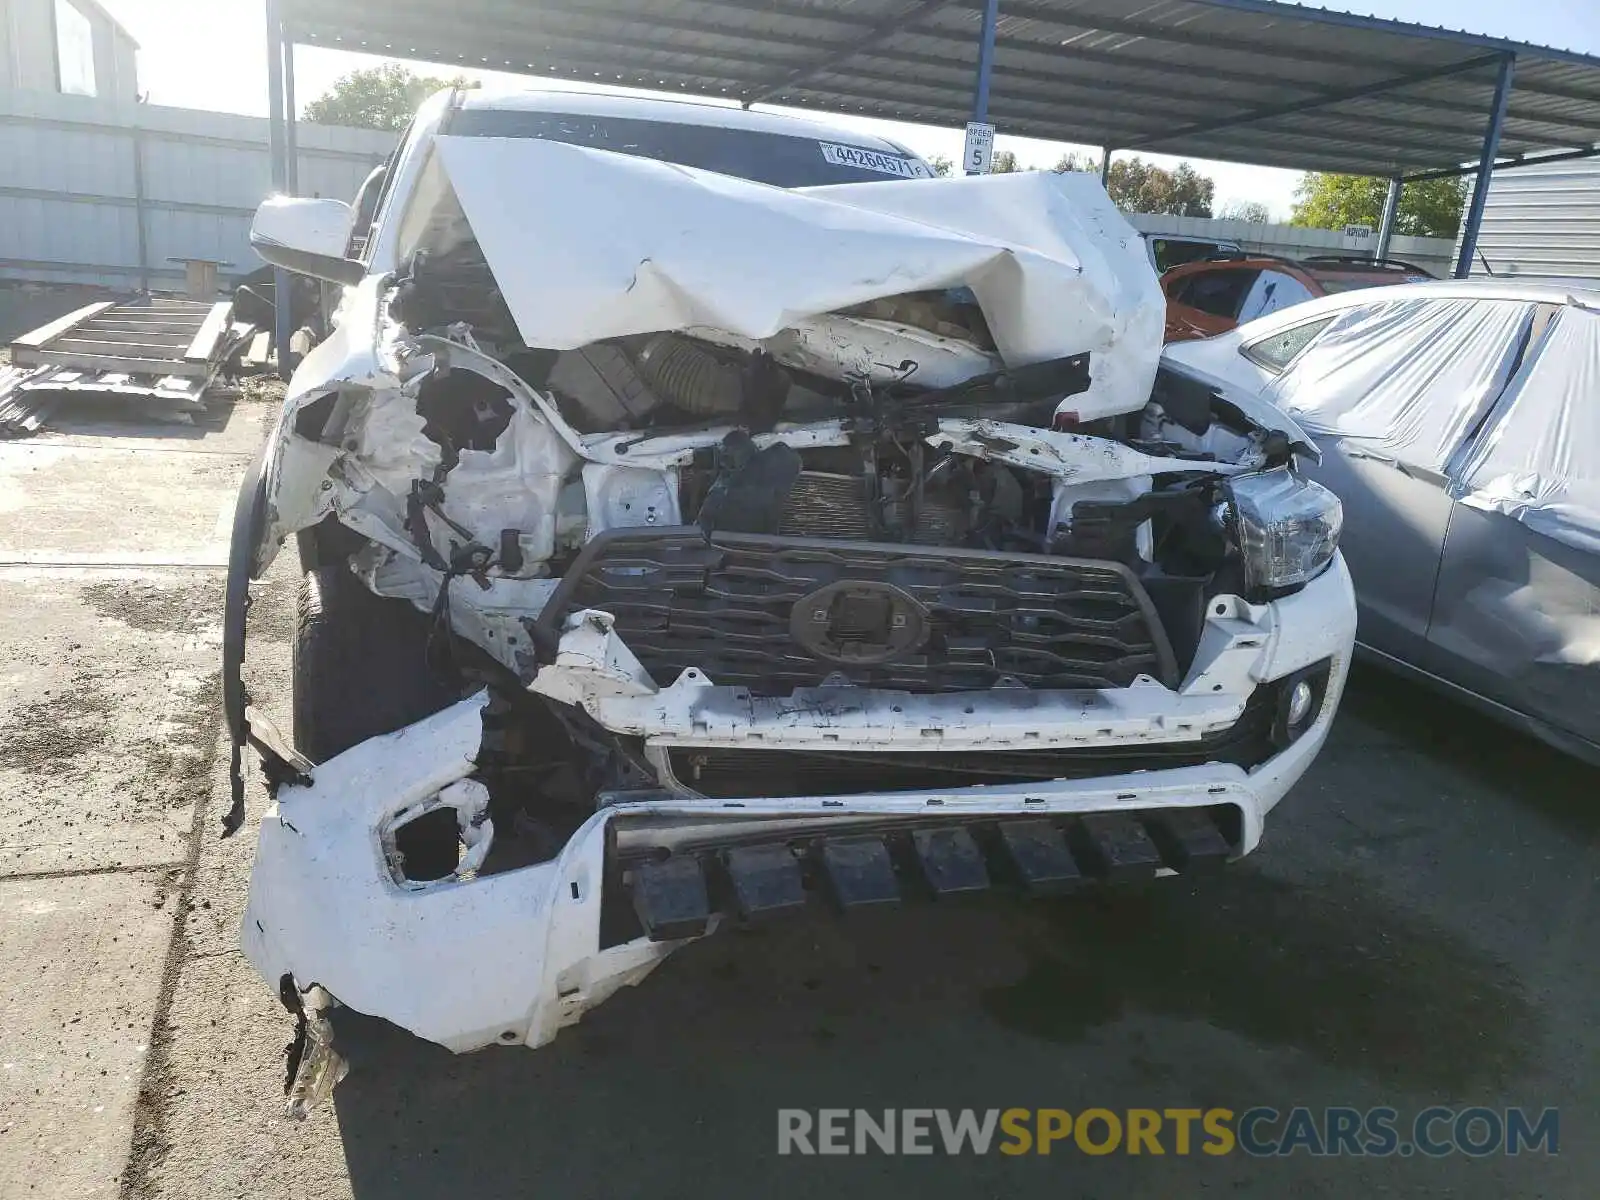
1256 81
1244 80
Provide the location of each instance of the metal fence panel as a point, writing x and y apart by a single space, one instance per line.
106 193
1543 222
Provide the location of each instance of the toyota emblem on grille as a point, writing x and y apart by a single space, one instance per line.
859 623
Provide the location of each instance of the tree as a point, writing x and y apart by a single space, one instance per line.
1253 211
376 98
1071 161
942 165
1431 208
1137 186
1005 162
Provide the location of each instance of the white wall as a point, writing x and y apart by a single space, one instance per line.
107 193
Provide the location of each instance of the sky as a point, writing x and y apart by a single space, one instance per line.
212 54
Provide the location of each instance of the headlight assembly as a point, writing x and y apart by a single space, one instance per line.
1287 527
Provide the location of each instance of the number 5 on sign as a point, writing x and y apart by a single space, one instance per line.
979 149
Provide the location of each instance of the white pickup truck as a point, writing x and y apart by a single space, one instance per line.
705 514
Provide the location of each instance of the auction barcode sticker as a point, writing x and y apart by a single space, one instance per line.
873 160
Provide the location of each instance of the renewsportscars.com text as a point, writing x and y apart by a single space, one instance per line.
1260 1131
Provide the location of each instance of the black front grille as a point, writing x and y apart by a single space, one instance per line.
736 774
723 605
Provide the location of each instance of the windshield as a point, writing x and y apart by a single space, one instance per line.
778 159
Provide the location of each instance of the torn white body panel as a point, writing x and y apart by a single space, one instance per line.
325 907
647 246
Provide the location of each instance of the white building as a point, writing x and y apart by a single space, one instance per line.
69 46
1543 222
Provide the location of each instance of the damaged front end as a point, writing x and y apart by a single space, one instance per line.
859 604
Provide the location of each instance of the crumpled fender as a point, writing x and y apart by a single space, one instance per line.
510 957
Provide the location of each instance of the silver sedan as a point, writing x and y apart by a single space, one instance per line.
1460 424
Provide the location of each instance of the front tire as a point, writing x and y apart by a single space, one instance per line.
360 665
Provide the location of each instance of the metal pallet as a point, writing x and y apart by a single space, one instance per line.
158 355
147 336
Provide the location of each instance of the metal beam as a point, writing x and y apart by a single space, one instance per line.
1158 103
1491 150
866 41
1357 93
1105 168
986 36
1515 160
275 129
277 136
1391 211
1163 99
141 200
291 140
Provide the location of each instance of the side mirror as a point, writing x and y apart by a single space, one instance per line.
306 236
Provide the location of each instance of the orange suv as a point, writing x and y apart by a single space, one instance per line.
1213 296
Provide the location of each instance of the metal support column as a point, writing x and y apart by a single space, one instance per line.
275 129
1391 210
980 90
141 216
1491 148
291 140
278 151
1105 168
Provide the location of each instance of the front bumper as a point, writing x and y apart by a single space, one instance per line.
512 958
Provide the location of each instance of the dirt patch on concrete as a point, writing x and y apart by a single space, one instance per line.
177 758
261 389
49 733
153 608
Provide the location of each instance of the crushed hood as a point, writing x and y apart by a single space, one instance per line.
588 244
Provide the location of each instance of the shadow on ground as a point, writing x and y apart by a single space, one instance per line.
1504 760
994 1005
1310 974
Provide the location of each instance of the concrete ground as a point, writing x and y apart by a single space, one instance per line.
1419 928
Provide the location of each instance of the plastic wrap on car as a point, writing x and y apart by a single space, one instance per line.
1411 378
1538 459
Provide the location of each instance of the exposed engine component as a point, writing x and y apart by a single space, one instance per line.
601 380
881 491
952 314
691 375
826 504
620 384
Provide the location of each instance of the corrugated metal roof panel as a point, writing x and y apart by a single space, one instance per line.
1248 80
